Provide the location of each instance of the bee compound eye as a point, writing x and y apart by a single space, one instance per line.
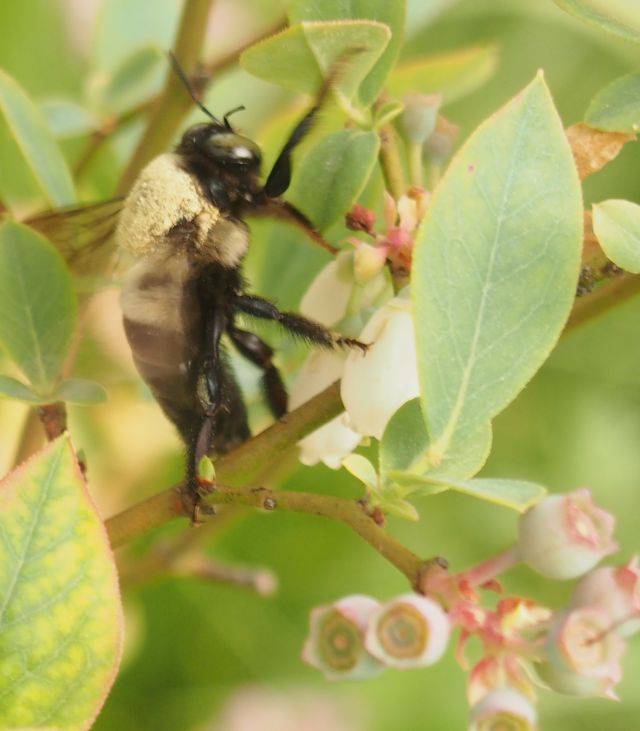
235 149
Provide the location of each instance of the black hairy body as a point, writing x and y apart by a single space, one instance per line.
183 227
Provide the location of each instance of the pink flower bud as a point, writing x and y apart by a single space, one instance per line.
564 536
336 639
616 591
582 654
408 632
360 218
504 709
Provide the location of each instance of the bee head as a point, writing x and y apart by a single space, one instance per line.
219 144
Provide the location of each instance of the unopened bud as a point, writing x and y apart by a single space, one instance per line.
360 218
419 116
439 146
582 654
564 536
616 591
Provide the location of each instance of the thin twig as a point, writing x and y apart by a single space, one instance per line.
209 71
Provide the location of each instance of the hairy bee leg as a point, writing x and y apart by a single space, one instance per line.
259 353
283 210
207 376
296 324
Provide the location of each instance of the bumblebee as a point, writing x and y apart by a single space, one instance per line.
183 228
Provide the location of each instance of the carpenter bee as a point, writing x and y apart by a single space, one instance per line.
182 226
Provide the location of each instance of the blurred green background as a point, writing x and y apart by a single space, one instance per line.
192 646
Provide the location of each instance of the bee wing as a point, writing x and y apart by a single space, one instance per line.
83 235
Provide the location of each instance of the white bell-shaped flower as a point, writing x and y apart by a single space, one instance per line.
332 442
375 384
328 295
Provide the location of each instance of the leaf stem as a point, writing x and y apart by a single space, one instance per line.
391 162
208 71
613 293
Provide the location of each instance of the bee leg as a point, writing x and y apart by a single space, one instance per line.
195 488
259 353
279 178
207 377
296 324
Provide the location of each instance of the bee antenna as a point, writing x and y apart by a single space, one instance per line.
225 119
189 87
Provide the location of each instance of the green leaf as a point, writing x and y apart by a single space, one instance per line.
299 57
36 143
621 17
133 81
66 118
333 174
405 457
616 224
495 268
37 303
400 508
14 389
60 613
80 391
386 112
362 469
616 108
390 12
515 494
452 74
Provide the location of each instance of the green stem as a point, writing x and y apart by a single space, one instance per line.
349 512
391 162
416 166
174 102
240 467
613 293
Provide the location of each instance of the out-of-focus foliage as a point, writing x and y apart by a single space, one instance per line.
193 646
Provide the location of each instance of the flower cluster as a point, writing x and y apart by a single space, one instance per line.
357 636
355 295
575 650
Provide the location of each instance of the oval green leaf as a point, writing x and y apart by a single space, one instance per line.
451 74
405 454
333 174
616 224
518 495
299 57
36 143
37 303
496 266
80 391
621 17
390 12
66 118
14 389
60 613
134 81
616 108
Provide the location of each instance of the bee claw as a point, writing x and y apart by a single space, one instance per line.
353 343
192 499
